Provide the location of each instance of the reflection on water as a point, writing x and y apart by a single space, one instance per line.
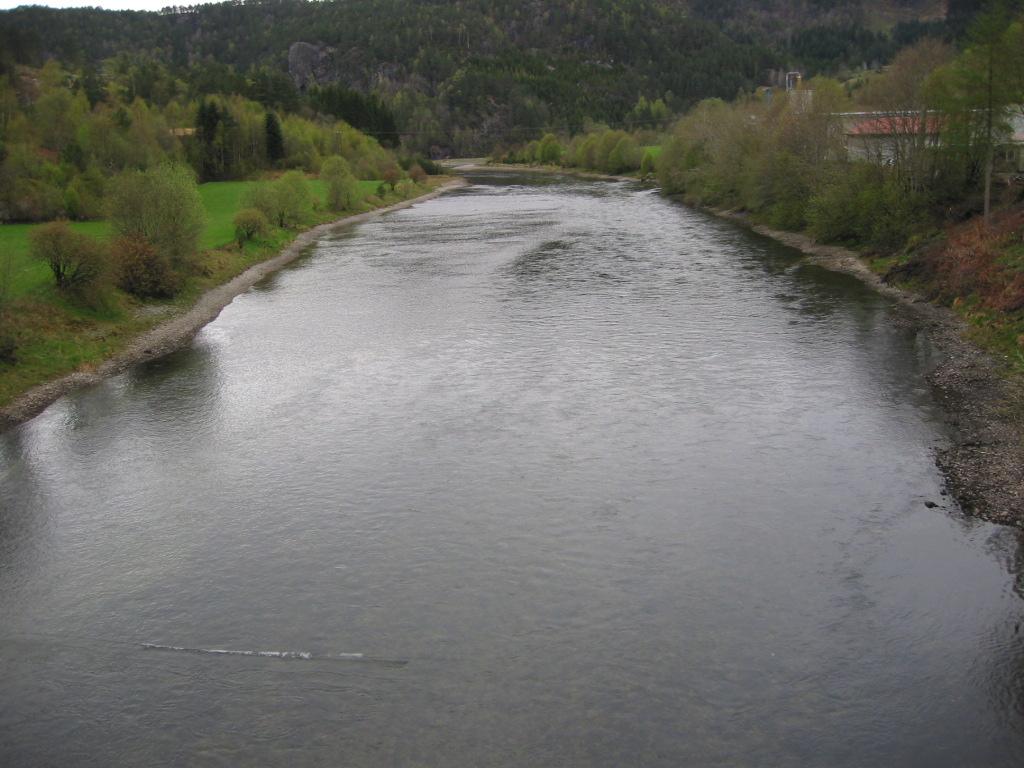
620 483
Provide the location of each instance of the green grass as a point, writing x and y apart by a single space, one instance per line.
28 275
221 199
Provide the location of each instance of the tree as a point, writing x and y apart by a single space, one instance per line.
342 187
977 90
549 151
142 270
286 202
76 260
274 138
161 205
901 94
250 223
294 199
392 176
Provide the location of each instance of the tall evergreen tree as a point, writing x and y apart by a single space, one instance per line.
274 138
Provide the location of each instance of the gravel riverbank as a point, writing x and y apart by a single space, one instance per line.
179 329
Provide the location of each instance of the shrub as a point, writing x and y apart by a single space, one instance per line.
263 198
429 166
77 261
405 188
647 165
250 224
863 205
294 200
392 176
624 156
142 270
286 202
549 150
342 187
417 174
37 200
162 206
83 199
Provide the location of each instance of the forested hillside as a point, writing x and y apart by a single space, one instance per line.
457 76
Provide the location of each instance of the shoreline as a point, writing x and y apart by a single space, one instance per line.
177 331
984 462
470 166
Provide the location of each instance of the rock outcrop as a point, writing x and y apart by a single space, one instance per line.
311 65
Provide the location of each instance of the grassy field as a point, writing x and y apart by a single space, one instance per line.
28 275
222 200
55 335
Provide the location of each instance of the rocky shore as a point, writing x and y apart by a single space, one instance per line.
984 463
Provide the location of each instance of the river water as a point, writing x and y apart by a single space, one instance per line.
588 479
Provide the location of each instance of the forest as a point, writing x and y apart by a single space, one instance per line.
456 77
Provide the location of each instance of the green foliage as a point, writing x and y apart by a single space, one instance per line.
161 205
64 134
863 204
428 166
624 156
263 197
601 150
142 270
459 76
295 200
342 187
405 189
647 164
77 261
286 202
549 150
364 111
250 224
274 138
653 115
976 93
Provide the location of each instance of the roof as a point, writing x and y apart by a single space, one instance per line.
889 125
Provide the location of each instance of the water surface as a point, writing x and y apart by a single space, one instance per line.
589 478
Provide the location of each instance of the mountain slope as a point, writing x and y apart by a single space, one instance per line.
465 72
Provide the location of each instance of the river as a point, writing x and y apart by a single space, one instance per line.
586 477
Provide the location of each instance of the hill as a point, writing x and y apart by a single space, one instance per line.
460 74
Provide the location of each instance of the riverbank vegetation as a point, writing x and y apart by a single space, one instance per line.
915 199
156 188
915 166
598 148
49 330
